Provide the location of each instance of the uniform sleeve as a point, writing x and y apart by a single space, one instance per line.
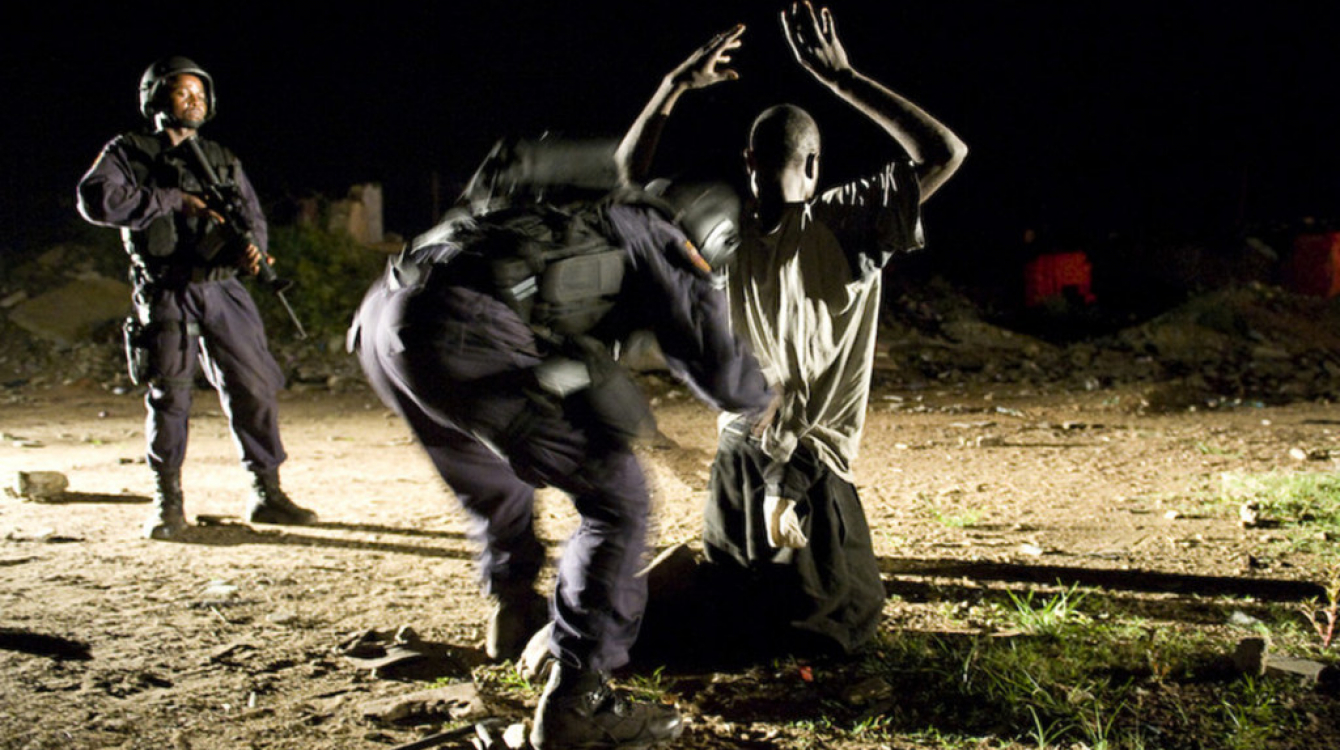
874 218
688 314
110 194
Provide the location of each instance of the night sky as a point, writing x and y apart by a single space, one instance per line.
1083 118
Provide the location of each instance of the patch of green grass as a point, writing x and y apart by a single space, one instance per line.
499 679
1048 616
1252 712
1074 677
649 687
1205 449
1306 505
957 521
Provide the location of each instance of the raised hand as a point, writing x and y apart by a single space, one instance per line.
813 39
707 65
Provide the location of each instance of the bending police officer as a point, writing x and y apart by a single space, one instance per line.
190 307
502 405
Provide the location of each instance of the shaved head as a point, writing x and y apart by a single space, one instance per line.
783 136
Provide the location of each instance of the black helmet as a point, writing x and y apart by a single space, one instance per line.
160 73
709 214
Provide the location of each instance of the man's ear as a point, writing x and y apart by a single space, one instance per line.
812 166
750 161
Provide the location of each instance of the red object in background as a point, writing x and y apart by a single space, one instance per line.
1058 275
1314 265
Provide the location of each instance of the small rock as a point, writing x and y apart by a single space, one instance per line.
1242 619
1250 514
40 486
219 590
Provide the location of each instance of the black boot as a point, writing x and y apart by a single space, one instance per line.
515 618
269 504
167 519
579 709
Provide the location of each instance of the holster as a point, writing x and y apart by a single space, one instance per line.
136 336
613 398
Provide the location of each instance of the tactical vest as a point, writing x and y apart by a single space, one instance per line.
163 252
556 269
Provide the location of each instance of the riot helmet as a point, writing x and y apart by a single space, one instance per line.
156 77
552 168
709 214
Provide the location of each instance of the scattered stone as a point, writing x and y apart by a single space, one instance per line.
1242 619
1249 513
1252 656
218 590
370 649
497 734
40 486
282 617
868 691
459 702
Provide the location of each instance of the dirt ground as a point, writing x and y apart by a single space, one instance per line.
232 637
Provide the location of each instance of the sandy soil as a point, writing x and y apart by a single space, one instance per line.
232 637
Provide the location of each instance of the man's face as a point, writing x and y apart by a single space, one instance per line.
187 101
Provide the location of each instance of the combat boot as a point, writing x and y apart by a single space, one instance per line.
579 709
515 618
166 519
269 504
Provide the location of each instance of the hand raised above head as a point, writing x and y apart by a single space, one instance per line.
707 65
813 39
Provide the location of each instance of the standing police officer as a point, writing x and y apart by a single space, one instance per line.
189 304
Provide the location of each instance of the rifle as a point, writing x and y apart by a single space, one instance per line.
225 199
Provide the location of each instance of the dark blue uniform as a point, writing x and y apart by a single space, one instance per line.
458 364
198 311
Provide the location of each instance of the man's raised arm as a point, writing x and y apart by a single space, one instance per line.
935 150
706 66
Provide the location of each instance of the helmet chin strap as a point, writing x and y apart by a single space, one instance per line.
165 120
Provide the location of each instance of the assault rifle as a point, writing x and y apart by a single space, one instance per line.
225 199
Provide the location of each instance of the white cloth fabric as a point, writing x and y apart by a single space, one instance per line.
806 297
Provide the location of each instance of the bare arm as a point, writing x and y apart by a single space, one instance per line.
705 67
935 150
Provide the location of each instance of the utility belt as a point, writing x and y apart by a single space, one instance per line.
139 339
139 331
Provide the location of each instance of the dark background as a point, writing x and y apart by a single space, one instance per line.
1085 119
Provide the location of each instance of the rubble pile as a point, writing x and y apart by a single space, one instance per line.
1246 342
1251 342
61 318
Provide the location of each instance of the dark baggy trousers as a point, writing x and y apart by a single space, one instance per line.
453 364
214 323
824 597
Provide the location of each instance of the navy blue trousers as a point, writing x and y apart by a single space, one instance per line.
214 324
455 365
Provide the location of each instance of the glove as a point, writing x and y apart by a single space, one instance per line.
784 528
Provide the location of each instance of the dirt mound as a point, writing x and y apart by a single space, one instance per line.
1251 342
